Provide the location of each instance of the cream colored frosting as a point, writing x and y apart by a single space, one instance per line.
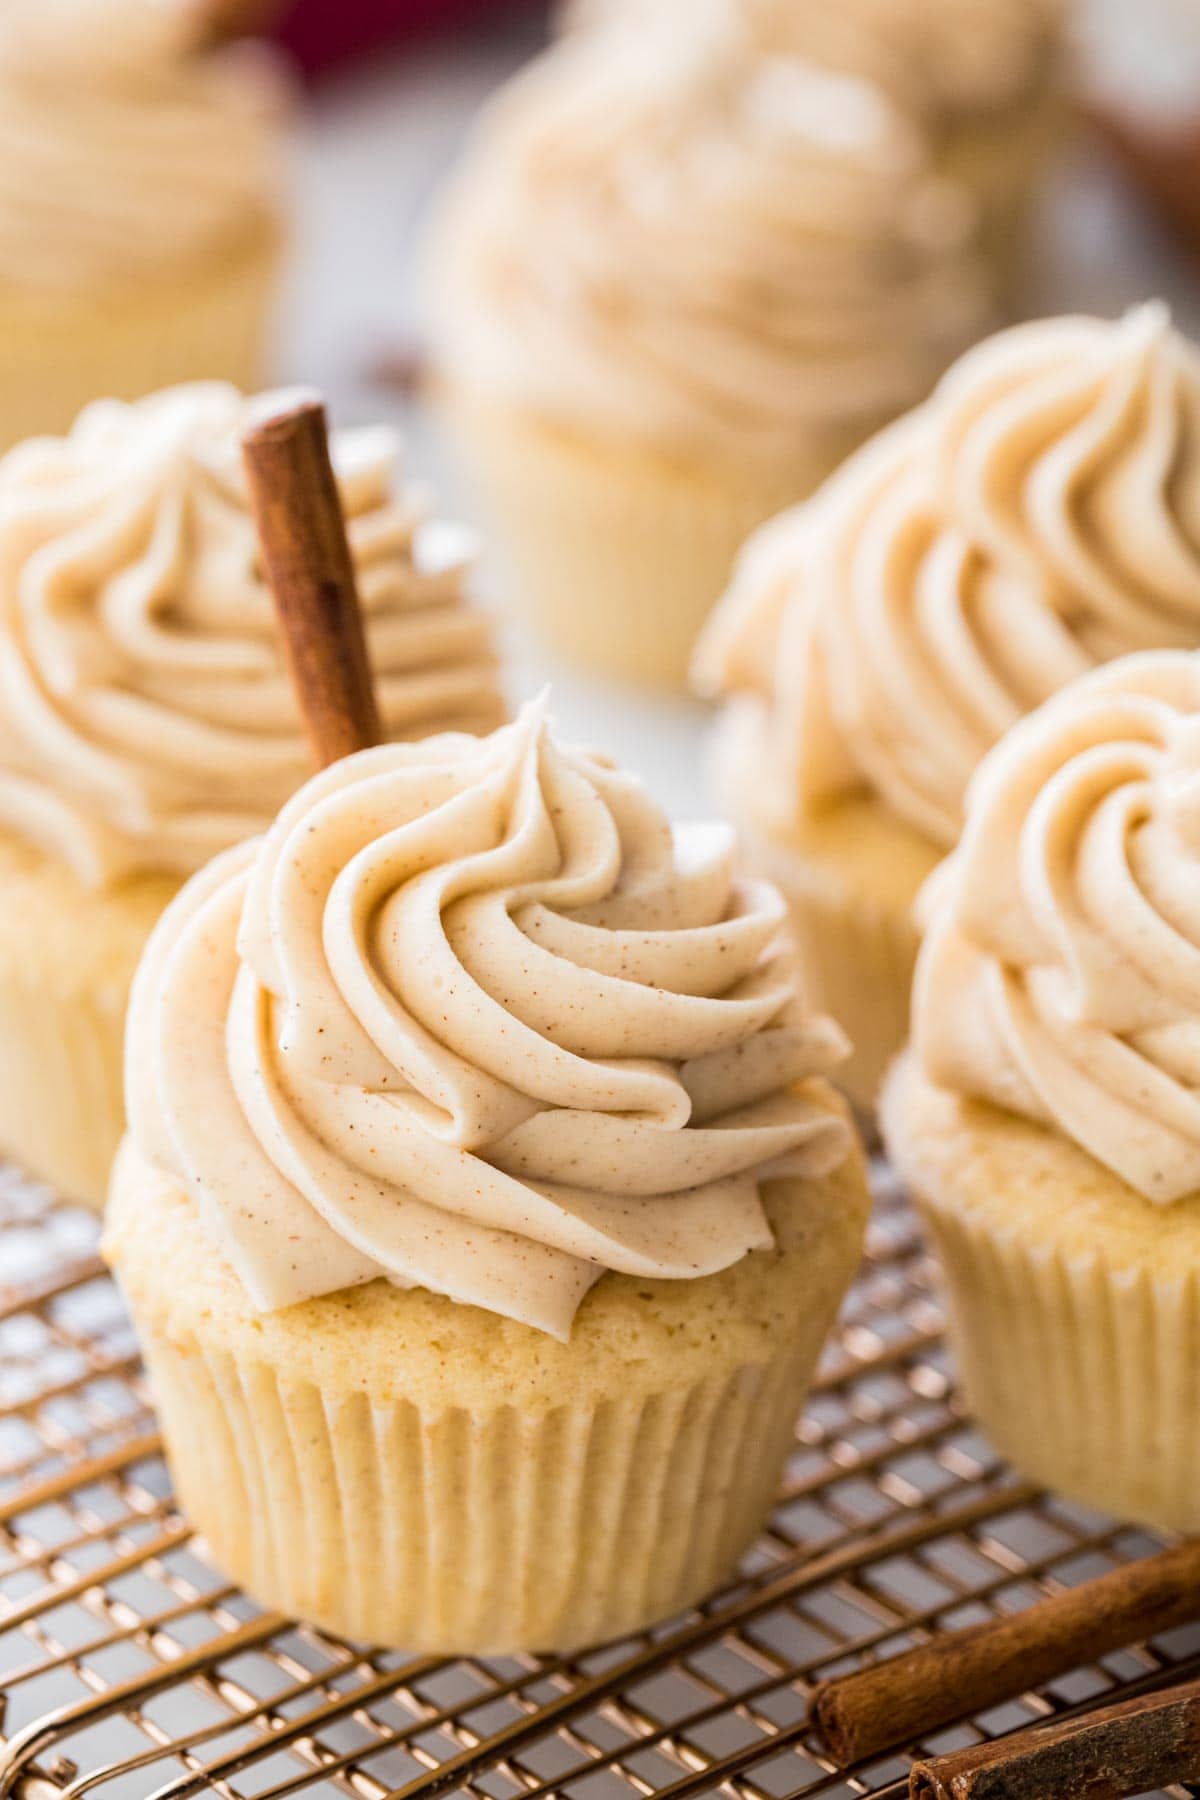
147 719
125 150
471 1018
1039 515
1060 977
946 57
678 238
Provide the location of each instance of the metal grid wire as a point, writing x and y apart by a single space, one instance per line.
130 1669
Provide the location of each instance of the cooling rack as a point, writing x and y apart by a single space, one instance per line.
130 1669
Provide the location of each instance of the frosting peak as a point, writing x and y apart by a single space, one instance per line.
706 242
146 716
472 1018
1060 977
1039 515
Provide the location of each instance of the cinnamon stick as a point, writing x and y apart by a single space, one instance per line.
902 1700
307 559
1133 1747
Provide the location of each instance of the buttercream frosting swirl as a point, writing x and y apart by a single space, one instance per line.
1039 515
1060 976
944 58
126 149
147 719
679 238
471 1018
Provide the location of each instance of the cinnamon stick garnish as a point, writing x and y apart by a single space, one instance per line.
962 1672
307 559
1133 1747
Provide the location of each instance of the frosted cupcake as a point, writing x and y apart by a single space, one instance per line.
486 1126
676 280
1048 1115
981 77
1039 515
140 205
147 720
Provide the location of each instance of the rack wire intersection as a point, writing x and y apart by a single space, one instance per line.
131 1670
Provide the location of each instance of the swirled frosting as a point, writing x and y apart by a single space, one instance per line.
472 1019
146 715
942 57
1060 977
125 149
679 238
1041 514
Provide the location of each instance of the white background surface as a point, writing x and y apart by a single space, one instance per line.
373 146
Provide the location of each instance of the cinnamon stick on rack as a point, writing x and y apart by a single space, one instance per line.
962 1672
1115 1753
303 535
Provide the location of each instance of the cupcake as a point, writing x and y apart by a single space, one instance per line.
484 1208
980 76
140 207
1047 1117
1039 515
675 281
147 719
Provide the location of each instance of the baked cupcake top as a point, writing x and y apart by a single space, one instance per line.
128 151
146 715
946 58
678 238
1040 514
1060 976
471 1018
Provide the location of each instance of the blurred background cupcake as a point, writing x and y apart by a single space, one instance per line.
984 78
147 720
677 278
141 221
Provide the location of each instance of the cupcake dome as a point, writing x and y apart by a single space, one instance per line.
140 205
480 1095
1048 1114
1040 515
147 719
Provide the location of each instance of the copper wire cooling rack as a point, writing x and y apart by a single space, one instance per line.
130 1669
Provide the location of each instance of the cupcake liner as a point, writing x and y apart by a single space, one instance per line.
67 959
618 554
464 1532
1087 1378
61 1106
403 1470
1074 1303
212 325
